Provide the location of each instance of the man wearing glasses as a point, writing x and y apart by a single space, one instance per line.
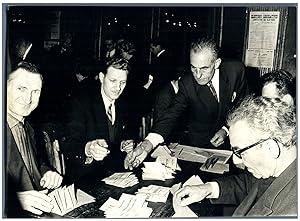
208 90
263 135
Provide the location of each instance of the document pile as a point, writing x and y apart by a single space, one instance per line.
123 180
156 171
64 199
128 206
184 211
154 193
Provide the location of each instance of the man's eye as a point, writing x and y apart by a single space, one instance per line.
22 89
113 81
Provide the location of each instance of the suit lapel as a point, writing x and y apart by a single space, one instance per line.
224 93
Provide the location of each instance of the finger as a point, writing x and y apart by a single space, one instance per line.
102 143
99 151
186 201
33 210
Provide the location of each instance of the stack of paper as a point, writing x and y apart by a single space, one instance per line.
156 171
64 199
128 206
126 179
155 193
164 156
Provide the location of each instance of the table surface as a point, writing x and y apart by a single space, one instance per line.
101 191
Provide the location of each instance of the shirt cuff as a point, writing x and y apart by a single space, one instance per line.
227 131
215 191
155 139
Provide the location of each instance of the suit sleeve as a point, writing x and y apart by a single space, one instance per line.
162 102
74 144
241 86
233 189
166 122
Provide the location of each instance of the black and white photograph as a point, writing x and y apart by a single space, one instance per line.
154 110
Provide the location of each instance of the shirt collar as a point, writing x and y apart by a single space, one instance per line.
12 121
106 100
215 79
162 51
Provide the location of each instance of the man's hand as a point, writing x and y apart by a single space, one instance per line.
138 155
35 201
219 138
97 149
51 180
191 194
127 146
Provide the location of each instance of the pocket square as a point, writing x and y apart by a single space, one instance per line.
233 96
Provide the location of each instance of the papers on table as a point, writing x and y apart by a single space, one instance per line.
196 154
64 199
123 180
155 193
128 206
184 211
156 171
219 168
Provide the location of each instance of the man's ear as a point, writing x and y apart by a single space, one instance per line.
273 148
101 77
288 99
217 63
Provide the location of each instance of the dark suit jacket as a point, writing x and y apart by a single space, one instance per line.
163 71
206 116
17 178
87 121
279 198
15 165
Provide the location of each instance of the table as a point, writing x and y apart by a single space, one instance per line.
101 191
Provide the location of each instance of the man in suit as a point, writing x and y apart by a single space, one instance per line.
210 89
263 135
96 125
26 173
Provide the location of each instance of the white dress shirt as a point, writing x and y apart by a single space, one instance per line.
107 103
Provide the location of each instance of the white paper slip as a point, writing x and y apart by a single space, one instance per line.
161 151
122 180
65 200
193 180
218 168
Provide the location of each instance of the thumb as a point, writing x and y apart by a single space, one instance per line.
45 191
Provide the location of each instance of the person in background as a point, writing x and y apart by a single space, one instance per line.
279 84
209 89
262 134
96 125
275 84
30 177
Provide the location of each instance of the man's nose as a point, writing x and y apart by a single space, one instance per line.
27 98
198 73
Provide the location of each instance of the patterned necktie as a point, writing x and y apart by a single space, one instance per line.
24 147
212 89
109 112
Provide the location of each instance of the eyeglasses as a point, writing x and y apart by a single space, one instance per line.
238 152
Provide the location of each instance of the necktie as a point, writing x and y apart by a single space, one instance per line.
24 148
109 112
212 89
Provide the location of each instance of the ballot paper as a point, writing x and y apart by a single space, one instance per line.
163 155
197 154
218 168
128 206
156 171
123 180
184 211
154 193
65 200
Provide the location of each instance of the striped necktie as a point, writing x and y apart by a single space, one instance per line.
24 147
212 89
109 112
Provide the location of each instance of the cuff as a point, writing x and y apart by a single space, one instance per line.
227 131
215 190
155 139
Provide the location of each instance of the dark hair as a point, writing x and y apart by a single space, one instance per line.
205 43
127 47
118 63
283 80
27 66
